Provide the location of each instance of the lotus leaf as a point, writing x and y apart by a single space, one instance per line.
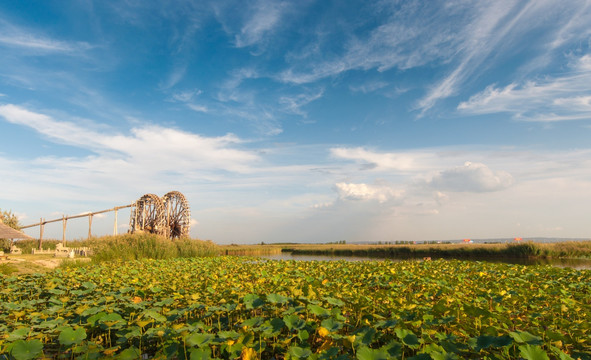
25 350
70 336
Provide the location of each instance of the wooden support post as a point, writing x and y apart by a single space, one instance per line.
41 225
64 221
89 226
115 226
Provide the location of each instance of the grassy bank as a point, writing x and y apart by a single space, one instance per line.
131 247
107 248
579 249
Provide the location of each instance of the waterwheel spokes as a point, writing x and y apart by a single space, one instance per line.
147 215
177 215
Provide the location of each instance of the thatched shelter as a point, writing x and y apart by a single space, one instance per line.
6 232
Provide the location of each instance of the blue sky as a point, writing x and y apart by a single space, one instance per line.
307 121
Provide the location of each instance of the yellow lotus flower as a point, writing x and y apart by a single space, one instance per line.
248 354
323 331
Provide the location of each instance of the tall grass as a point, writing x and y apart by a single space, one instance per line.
140 246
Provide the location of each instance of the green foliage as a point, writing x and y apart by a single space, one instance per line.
7 269
10 219
69 336
74 263
228 307
26 350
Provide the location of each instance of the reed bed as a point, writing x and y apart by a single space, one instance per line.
249 250
150 246
572 249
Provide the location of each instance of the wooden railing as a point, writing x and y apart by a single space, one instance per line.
64 219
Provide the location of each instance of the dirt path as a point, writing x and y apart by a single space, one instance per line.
49 263
26 264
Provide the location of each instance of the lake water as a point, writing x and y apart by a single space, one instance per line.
579 264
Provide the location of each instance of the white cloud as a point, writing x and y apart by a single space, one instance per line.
264 18
185 96
270 202
295 103
238 76
472 177
492 23
150 146
459 36
497 25
323 205
577 27
350 191
21 216
64 132
13 36
368 87
198 108
254 24
567 97
174 77
95 216
370 160
411 36
440 197
36 43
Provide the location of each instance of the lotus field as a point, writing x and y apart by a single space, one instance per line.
236 307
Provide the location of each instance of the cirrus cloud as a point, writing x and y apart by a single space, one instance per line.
559 98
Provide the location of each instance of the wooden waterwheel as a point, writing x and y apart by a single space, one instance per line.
177 215
147 215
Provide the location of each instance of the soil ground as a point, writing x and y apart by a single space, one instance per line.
24 264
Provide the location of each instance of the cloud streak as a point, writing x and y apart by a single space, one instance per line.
562 98
13 36
371 160
493 22
151 146
264 18
295 103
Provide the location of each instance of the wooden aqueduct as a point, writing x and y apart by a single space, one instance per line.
168 216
